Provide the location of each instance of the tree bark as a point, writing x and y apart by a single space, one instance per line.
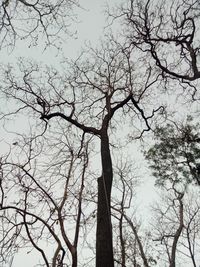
104 245
74 258
178 232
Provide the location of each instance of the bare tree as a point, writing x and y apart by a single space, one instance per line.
87 97
131 242
167 33
176 228
41 199
32 20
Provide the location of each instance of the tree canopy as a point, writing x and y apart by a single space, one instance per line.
175 157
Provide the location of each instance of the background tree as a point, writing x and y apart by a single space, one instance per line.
131 249
32 20
167 33
42 189
174 160
157 26
175 157
176 227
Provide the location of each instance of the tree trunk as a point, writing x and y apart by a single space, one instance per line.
74 258
178 232
104 245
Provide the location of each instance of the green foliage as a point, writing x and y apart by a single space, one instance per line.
175 156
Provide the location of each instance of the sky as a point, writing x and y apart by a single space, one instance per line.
90 28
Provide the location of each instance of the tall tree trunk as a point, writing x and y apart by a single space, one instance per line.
104 245
178 232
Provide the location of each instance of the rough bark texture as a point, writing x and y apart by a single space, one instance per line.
104 246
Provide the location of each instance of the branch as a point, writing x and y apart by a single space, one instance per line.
84 128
